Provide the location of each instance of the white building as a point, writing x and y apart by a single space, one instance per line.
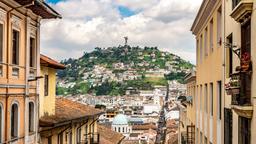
120 124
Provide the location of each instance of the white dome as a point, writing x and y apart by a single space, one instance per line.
120 119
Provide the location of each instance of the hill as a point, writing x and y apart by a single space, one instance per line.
112 70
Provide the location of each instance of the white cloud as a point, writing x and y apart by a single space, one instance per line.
90 23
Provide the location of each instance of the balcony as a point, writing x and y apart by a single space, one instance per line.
242 10
91 138
240 90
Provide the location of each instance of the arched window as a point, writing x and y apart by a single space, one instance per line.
14 121
119 130
31 116
1 122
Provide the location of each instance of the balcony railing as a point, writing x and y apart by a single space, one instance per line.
241 94
91 138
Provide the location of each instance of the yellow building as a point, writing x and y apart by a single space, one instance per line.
63 121
208 31
187 109
19 68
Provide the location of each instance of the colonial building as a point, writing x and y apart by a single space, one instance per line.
225 32
208 31
20 69
239 76
63 121
187 110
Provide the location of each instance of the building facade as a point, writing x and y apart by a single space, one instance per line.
225 32
63 121
19 68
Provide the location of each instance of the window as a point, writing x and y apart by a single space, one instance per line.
230 56
32 51
15 47
197 51
31 117
244 136
201 48
46 85
78 136
201 97
14 121
211 99
206 98
206 41
86 131
219 26
235 3
219 98
119 129
1 122
228 126
211 35
1 42
70 137
60 138
49 139
201 138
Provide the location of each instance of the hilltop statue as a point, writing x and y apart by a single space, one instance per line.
126 40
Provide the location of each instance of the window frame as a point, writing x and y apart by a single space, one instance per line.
32 51
31 121
16 61
14 134
46 85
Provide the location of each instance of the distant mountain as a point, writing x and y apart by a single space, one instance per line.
112 70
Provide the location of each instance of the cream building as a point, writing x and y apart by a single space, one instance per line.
208 29
20 69
225 32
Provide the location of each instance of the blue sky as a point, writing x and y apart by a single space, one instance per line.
124 11
53 1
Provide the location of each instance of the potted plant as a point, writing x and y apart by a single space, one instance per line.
227 88
245 62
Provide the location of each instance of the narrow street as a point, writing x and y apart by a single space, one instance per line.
161 130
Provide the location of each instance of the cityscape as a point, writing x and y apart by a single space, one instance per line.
127 72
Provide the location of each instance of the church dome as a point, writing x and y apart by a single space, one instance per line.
120 119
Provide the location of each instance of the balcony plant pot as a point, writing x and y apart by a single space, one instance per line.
235 90
229 91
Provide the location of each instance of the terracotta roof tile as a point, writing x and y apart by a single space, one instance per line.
47 61
144 126
66 110
107 136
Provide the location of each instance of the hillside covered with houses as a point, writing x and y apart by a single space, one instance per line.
110 71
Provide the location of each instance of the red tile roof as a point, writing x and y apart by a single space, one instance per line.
67 110
144 126
107 136
47 61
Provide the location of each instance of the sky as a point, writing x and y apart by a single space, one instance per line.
87 24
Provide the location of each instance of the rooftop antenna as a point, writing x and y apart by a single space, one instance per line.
126 40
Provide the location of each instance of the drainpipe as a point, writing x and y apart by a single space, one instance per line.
223 68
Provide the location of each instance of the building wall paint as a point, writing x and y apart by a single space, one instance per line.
17 89
47 103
